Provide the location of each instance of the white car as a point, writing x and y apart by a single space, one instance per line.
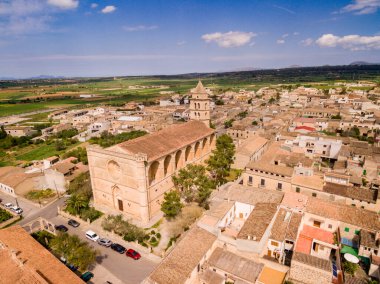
92 236
8 205
16 209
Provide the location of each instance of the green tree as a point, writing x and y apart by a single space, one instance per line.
254 122
59 145
172 205
219 163
76 203
76 251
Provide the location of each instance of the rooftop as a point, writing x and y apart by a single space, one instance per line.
286 225
33 263
258 221
238 266
265 167
271 276
312 261
348 214
181 261
165 141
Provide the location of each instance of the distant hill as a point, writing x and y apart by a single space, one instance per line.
46 77
355 63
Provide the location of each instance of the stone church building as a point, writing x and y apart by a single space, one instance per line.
132 177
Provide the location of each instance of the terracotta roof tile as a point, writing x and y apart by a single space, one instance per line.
165 141
312 261
258 221
177 266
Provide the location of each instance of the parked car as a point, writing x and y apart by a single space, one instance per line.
73 223
72 267
105 242
61 228
8 205
17 210
133 254
87 276
119 248
92 236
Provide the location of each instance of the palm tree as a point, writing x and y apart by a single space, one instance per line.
76 203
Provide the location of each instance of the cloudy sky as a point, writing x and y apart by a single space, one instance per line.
139 37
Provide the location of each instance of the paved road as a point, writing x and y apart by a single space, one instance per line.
27 206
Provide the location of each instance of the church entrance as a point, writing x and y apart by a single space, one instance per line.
120 204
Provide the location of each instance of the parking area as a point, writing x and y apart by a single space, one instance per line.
119 267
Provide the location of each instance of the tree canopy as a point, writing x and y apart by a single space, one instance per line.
172 205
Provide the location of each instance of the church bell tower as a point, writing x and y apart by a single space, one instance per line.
200 105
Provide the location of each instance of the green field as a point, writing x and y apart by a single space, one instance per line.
22 96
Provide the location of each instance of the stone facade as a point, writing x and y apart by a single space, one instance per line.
132 177
200 105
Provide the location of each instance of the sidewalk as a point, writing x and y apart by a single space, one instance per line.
101 275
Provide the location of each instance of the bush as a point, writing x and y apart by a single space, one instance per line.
158 235
153 232
123 228
4 215
153 240
90 214
40 194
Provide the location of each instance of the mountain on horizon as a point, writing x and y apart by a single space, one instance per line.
362 63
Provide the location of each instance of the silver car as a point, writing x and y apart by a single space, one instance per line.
104 242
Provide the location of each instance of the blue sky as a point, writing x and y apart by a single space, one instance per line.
106 38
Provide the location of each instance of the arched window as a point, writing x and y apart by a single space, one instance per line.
178 162
153 172
167 164
187 153
197 150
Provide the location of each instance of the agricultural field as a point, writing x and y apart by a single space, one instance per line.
17 97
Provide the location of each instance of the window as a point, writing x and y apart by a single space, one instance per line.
250 179
317 224
357 232
346 229
275 244
279 186
330 226
314 194
262 182
298 189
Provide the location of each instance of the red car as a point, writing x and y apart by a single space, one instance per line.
134 254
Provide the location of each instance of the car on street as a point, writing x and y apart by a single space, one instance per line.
119 248
133 254
105 242
17 210
61 228
91 235
87 276
73 223
8 205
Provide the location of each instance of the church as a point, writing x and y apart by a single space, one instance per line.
131 178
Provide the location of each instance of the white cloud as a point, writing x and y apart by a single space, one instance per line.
25 25
296 33
284 9
307 42
139 28
280 41
351 42
285 35
20 7
362 7
64 4
181 42
108 9
229 39
94 5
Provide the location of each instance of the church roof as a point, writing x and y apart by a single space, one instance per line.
166 141
199 89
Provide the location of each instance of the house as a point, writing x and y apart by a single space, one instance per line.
185 261
250 150
19 131
24 260
284 235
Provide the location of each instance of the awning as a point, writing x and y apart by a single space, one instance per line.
350 250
